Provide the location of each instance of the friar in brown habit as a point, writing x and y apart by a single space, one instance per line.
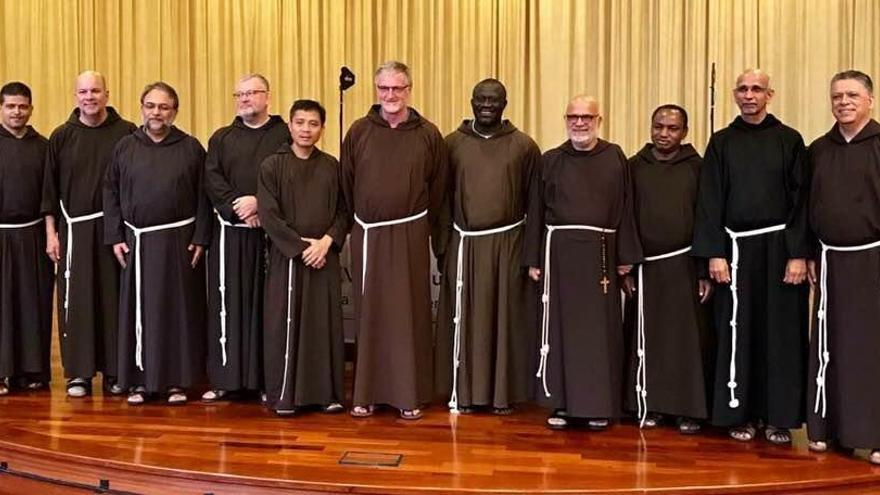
158 220
580 236
484 342
666 319
393 180
25 271
236 257
304 215
79 153
844 213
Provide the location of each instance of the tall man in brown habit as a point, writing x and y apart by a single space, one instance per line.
88 277
25 272
235 259
393 180
483 339
158 220
844 213
751 224
671 337
580 236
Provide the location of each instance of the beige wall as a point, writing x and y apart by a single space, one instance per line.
633 55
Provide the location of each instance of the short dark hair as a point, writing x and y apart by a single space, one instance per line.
858 76
309 106
15 88
161 86
491 82
674 108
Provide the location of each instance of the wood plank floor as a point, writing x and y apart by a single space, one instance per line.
236 447
227 446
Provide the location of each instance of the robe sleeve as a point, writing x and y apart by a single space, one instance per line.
220 191
446 214
341 224
534 234
204 221
114 231
437 194
629 246
50 195
280 231
710 240
346 174
797 235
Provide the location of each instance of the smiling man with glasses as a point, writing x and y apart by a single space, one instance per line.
235 264
580 236
393 180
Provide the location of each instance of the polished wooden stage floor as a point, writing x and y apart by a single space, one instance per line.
241 448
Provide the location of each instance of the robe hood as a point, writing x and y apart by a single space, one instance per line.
272 122
568 148
29 133
112 117
466 127
769 121
686 153
173 137
414 120
871 130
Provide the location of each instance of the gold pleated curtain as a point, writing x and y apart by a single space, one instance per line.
631 54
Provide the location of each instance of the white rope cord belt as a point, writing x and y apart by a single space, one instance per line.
20 225
545 297
385 223
734 263
68 255
459 286
641 371
222 278
287 339
822 337
138 314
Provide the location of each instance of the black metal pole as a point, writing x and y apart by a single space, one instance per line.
712 102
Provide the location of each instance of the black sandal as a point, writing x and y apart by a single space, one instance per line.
777 436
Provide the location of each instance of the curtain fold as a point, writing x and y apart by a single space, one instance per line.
632 55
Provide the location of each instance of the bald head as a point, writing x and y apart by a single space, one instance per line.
584 101
93 77
754 74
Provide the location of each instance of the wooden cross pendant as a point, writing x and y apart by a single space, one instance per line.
604 283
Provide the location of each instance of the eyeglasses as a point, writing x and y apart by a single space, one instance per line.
248 94
754 89
398 90
152 106
572 118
